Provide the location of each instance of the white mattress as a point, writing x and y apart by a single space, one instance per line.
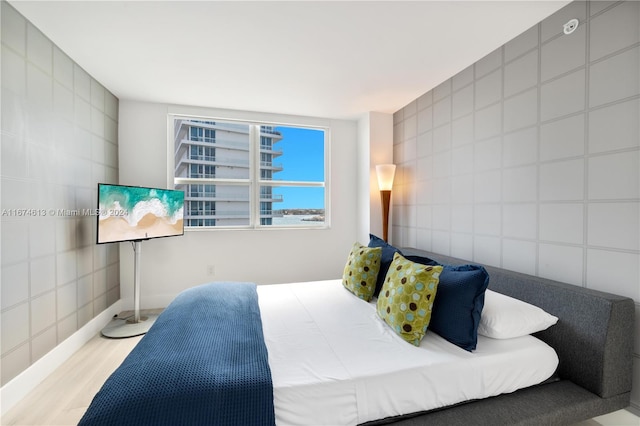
335 362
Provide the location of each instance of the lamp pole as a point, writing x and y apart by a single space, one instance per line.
385 198
386 173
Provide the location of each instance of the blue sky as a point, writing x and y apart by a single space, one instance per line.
302 159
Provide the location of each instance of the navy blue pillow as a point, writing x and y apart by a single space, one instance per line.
385 261
459 302
422 260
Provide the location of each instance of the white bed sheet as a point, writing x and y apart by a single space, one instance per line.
334 362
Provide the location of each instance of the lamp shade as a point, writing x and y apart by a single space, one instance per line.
385 173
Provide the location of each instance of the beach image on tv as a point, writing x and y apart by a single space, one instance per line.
128 213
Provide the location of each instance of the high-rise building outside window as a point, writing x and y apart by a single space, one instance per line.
249 175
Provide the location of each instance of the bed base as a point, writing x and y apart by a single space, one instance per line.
558 403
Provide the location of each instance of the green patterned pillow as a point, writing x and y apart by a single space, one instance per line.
407 297
361 271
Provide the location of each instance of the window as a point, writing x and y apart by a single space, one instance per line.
202 134
249 175
202 191
203 153
201 171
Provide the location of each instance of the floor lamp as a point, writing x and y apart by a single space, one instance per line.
385 173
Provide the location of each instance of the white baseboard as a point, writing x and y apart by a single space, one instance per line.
12 392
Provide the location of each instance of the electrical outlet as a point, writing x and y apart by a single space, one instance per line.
211 270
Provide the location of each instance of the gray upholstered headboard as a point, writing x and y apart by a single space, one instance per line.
594 333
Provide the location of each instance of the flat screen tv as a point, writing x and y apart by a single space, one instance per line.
134 213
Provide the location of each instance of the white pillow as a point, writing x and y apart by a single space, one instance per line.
504 317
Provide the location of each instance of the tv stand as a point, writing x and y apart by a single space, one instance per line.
134 325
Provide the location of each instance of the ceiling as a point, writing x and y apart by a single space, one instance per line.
335 59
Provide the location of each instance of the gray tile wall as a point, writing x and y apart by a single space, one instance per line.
529 159
59 139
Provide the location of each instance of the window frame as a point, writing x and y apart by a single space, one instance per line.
255 182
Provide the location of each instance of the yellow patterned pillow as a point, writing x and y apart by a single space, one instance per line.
361 271
406 299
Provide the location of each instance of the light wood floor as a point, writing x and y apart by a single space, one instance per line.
63 397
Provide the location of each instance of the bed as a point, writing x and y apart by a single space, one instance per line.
321 355
344 366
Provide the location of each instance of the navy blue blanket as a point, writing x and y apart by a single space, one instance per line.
203 362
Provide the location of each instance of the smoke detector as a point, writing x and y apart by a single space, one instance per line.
570 26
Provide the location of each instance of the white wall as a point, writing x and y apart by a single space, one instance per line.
269 256
375 146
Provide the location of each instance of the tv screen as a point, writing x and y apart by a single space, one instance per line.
133 213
